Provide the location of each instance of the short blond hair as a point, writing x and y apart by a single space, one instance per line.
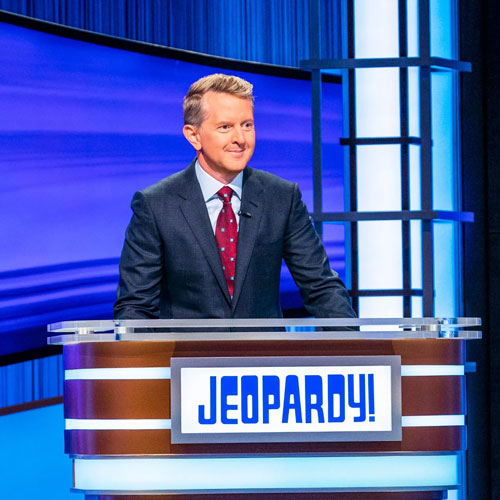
192 106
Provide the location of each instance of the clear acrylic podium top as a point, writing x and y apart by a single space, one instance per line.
178 330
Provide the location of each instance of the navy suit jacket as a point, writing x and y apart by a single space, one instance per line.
170 265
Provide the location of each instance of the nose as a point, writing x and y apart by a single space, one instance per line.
238 136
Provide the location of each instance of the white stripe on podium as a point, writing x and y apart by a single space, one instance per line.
143 373
431 370
432 420
117 424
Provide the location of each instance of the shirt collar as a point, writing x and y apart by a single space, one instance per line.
210 186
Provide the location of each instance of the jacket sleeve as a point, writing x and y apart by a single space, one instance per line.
141 265
323 292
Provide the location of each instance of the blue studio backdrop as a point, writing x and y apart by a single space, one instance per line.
83 127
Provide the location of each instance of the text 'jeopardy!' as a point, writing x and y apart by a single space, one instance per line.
286 399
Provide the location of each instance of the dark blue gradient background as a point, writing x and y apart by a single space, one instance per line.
82 127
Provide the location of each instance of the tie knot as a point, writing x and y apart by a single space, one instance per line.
225 194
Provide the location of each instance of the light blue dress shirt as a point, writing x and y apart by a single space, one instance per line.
210 186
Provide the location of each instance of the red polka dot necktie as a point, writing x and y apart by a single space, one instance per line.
226 234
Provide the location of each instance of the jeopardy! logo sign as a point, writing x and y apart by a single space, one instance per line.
286 399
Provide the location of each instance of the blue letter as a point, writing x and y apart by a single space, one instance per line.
249 387
270 387
228 387
371 398
314 386
213 405
361 404
292 390
336 385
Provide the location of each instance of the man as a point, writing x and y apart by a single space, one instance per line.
208 242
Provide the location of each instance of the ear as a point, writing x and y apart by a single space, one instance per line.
191 134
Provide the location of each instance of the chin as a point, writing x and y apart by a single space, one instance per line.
237 167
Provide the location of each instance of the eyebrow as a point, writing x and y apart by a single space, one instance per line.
229 122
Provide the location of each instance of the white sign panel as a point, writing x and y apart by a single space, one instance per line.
286 399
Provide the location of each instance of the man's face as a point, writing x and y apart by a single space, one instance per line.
225 140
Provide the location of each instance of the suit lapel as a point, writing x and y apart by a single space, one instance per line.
195 212
251 203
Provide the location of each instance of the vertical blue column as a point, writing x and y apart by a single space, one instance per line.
377 95
445 159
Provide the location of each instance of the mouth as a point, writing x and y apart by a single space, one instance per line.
237 152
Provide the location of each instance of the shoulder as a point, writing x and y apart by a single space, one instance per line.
173 185
278 194
269 181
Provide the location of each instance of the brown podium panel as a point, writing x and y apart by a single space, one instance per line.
102 399
152 354
157 442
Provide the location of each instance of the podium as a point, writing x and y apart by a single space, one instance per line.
301 408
